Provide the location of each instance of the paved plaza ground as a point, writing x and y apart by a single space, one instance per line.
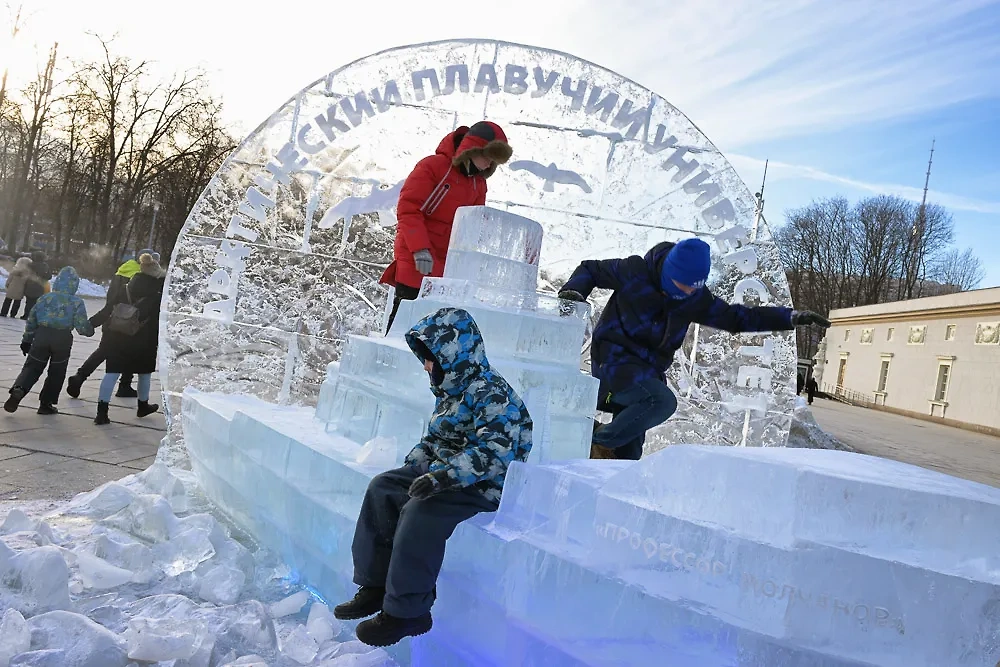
967 454
62 455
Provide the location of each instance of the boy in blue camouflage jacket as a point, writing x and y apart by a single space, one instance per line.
48 340
478 427
655 300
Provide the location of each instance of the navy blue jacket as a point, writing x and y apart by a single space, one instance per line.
642 327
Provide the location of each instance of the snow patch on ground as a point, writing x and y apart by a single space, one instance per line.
91 289
141 571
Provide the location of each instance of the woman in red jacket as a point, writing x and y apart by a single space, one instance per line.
454 176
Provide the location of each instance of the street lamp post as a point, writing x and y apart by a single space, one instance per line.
152 227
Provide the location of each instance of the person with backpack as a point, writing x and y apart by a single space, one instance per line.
48 341
125 273
131 334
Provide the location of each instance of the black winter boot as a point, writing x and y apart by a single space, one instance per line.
386 630
367 601
73 386
146 408
16 394
47 409
102 414
126 391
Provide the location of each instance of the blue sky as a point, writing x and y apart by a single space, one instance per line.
843 97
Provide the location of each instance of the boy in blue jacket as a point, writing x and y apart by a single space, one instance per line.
48 340
478 427
655 299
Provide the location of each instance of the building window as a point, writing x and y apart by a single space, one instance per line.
883 375
889 334
949 332
941 387
847 335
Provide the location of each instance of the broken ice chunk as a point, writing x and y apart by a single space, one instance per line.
296 643
222 584
247 661
34 580
103 501
15 637
89 644
184 551
290 605
147 517
321 625
99 574
378 452
16 522
162 639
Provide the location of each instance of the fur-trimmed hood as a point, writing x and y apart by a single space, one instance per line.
484 138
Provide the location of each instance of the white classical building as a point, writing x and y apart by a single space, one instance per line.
937 357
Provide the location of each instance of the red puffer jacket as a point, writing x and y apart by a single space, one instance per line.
434 190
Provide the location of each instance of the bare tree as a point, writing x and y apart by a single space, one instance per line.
958 271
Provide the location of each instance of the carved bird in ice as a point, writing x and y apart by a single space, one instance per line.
381 201
551 174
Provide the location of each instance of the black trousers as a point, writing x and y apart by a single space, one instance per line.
403 293
96 358
10 306
29 303
399 542
51 347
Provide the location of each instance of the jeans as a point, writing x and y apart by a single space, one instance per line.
96 358
108 386
50 347
399 542
642 406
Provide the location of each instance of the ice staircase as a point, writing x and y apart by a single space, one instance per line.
696 556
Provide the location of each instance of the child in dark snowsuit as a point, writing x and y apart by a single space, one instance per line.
478 427
48 340
656 298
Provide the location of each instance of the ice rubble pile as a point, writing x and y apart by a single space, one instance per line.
136 573
379 389
700 555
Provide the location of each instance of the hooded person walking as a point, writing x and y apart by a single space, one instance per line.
16 282
656 298
132 352
479 426
454 176
48 341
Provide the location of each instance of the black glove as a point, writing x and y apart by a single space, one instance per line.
425 486
566 309
25 347
806 317
424 262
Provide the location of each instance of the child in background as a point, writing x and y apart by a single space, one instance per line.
48 341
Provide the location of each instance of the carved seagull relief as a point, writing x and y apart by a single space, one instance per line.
551 174
380 201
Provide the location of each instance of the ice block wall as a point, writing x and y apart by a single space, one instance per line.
700 556
379 389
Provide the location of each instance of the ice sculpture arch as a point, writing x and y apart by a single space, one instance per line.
278 261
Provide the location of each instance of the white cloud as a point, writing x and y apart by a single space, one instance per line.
746 165
744 72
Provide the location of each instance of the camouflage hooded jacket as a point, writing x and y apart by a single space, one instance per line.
479 424
61 308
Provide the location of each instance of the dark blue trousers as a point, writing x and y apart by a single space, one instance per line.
399 542
637 409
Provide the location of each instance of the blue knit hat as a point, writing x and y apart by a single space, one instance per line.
688 262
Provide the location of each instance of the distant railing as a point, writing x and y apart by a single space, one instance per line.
849 396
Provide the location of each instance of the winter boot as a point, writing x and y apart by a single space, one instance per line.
386 630
73 386
102 414
367 601
146 408
126 391
47 409
16 394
